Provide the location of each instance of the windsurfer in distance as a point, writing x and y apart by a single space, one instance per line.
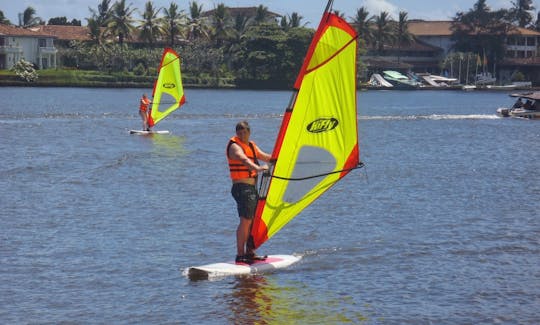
143 112
243 157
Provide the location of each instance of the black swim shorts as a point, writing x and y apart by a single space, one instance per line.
245 196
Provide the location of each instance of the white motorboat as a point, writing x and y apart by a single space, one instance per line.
399 80
526 106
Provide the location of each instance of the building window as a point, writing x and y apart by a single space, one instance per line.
3 41
521 41
530 41
42 42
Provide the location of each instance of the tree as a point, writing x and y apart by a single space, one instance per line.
94 31
521 12
25 70
363 25
383 32
221 25
261 14
103 14
150 27
482 31
28 18
295 20
173 20
403 36
62 21
121 22
3 19
268 56
197 27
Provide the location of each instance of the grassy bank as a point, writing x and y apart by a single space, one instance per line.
83 78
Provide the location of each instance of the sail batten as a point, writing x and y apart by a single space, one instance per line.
168 92
317 143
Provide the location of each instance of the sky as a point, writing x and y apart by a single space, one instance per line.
310 10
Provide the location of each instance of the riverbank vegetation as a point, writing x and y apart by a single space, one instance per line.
226 48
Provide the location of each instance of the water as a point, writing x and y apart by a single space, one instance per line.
96 225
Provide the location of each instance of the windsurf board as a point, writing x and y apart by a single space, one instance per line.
271 263
142 132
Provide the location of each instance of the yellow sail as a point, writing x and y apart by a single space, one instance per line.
318 141
168 93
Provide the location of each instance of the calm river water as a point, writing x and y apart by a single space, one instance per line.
96 225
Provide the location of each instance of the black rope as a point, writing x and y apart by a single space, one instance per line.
360 165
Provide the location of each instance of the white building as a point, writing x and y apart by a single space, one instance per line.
31 45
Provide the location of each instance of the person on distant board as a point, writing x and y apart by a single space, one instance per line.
143 112
243 157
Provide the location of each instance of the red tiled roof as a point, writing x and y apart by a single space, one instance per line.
444 28
430 28
68 33
9 30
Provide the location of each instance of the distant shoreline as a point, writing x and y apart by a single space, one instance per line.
93 79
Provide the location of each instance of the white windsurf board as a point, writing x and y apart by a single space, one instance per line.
271 263
142 132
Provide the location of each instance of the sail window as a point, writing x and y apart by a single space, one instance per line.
311 161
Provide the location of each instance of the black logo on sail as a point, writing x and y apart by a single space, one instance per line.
169 85
322 125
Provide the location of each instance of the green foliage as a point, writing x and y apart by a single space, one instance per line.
518 76
271 56
482 31
139 70
25 70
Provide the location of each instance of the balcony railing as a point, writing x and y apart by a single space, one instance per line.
5 49
48 50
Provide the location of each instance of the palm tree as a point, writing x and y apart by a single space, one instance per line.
150 25
402 30
222 30
102 14
295 20
3 19
521 12
339 14
28 18
196 24
481 31
383 32
284 23
173 20
261 14
121 22
363 25
291 21
94 31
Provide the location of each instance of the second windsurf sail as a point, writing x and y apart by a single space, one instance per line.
168 93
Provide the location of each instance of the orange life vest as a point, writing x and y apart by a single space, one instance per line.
144 104
236 167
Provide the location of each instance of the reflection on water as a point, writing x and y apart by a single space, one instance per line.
168 144
260 299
